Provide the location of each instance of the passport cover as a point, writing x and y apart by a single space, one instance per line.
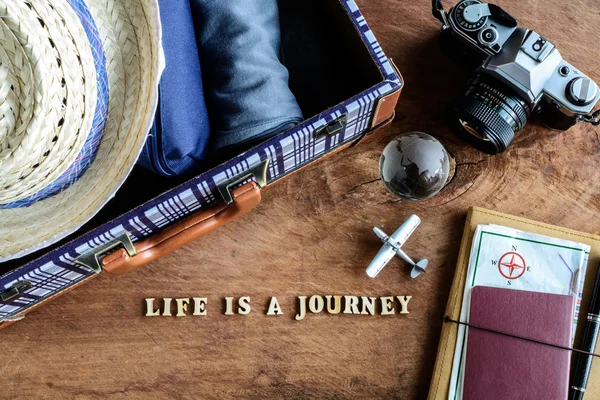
440 380
502 367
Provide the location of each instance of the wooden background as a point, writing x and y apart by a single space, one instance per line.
312 235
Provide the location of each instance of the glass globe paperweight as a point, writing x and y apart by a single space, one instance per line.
415 166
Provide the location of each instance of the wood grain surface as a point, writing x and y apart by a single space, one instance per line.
312 235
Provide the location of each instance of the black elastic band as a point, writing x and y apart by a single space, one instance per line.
448 319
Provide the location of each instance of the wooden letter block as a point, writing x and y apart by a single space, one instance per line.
274 308
351 305
301 308
404 303
200 306
182 305
337 305
167 307
244 304
228 305
386 306
150 311
368 305
316 304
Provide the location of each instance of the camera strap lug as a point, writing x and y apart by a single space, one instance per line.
593 119
440 14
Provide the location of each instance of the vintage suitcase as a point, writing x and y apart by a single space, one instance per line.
338 73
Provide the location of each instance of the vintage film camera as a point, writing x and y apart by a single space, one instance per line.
518 73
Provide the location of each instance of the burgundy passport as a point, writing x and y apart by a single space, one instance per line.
501 367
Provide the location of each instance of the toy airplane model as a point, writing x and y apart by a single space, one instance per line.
392 246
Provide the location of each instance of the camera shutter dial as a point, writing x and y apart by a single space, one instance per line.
471 15
582 91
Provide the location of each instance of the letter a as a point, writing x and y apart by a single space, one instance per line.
274 308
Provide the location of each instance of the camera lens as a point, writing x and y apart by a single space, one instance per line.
488 114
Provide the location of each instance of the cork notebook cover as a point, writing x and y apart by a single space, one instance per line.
441 374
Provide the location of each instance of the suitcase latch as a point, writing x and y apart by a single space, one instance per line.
91 259
333 128
15 291
258 172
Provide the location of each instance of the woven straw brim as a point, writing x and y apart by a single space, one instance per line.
130 35
50 95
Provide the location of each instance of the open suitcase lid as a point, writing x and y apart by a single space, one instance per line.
77 261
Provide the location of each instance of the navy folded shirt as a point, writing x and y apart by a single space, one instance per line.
179 138
242 87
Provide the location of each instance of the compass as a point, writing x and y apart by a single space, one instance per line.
512 265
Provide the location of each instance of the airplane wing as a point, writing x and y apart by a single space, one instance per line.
381 259
380 234
403 233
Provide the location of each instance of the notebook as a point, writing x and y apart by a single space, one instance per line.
502 367
440 381
516 259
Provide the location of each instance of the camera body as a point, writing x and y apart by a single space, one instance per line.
518 73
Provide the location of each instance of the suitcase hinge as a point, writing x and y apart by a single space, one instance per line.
91 259
15 291
333 128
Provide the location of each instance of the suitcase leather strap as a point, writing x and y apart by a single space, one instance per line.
245 198
386 105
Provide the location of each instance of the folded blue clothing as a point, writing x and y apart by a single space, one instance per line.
178 141
247 88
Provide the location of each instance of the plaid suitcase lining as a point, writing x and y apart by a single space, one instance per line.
57 270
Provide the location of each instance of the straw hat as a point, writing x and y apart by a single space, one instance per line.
78 93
